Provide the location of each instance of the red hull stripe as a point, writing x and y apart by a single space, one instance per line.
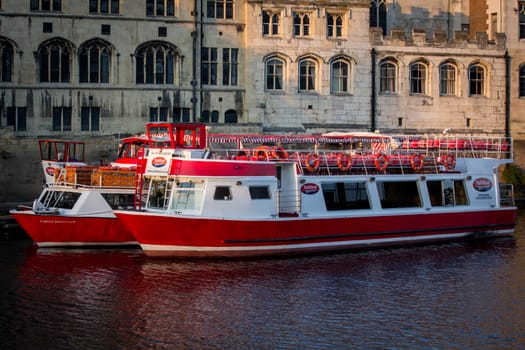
53 230
220 236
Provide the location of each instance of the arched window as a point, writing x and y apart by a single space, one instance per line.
340 76
307 75
274 74
334 25
522 80
476 77
54 60
205 116
215 116
270 23
6 60
378 14
230 116
301 24
388 77
94 59
418 78
155 63
447 79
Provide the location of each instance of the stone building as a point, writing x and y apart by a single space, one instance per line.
98 70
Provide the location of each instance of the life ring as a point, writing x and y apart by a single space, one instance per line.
449 161
312 162
281 153
417 162
381 157
344 161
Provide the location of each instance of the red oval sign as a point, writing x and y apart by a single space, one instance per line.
50 171
310 188
158 162
482 184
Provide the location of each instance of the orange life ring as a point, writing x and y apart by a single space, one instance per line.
312 162
281 153
381 157
417 161
344 161
449 161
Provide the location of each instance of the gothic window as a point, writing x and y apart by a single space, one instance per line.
307 75
340 76
447 79
301 24
54 61
522 80
229 66
388 77
274 74
230 116
378 14
334 25
158 114
521 9
270 23
46 5
90 118
219 9
181 114
16 117
209 65
94 58
418 78
104 6
161 8
476 77
6 61
61 119
155 63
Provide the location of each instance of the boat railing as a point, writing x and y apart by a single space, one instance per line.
402 154
506 191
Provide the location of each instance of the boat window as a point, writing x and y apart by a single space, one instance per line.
447 193
188 195
398 194
222 193
345 195
59 199
159 193
119 200
259 192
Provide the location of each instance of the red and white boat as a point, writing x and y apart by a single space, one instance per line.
279 195
76 205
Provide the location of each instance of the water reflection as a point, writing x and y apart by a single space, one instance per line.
449 296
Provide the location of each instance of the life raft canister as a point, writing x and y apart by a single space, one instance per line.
417 162
381 158
344 161
312 162
449 161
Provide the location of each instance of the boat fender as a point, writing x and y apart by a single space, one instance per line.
381 161
416 162
344 161
312 162
449 161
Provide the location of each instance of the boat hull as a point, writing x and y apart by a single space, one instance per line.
74 231
183 236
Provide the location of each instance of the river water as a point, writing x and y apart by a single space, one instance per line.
452 296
